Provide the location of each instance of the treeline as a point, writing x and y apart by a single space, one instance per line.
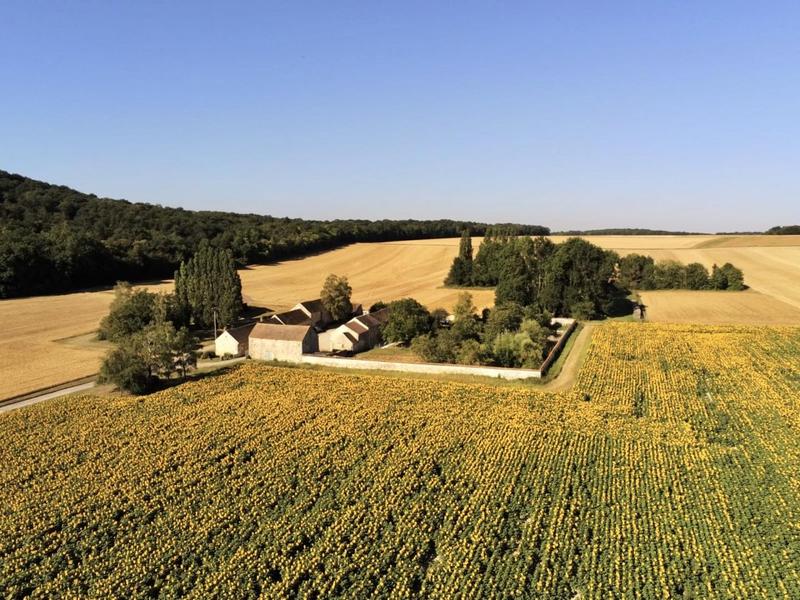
626 231
777 230
784 230
574 278
639 272
55 239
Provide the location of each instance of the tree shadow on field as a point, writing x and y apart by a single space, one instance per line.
620 305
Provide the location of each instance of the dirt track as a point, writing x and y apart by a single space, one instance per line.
572 364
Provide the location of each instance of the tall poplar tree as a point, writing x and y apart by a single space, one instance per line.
461 269
208 282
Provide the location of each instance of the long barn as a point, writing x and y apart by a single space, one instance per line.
270 341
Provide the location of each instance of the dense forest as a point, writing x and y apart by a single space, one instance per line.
54 239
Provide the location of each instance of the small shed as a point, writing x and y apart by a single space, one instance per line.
271 341
233 341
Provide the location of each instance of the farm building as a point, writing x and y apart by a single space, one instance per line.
358 334
271 341
233 341
315 311
291 317
311 311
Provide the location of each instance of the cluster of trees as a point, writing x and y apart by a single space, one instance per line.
149 347
207 286
643 273
72 240
508 335
573 278
153 332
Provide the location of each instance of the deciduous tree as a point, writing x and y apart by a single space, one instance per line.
335 296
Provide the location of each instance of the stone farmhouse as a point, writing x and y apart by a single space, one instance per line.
269 341
305 329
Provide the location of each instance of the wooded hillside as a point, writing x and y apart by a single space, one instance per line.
53 238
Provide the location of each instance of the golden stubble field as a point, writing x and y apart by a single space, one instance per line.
48 338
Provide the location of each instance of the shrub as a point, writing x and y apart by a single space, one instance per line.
582 310
471 352
436 348
125 368
516 350
407 320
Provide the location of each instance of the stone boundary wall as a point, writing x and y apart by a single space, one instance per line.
556 350
446 368
433 368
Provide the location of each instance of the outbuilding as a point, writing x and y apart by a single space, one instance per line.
359 333
271 341
234 341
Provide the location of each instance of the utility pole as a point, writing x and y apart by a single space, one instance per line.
215 322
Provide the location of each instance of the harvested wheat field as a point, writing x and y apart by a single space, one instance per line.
718 308
35 354
771 266
49 339
380 271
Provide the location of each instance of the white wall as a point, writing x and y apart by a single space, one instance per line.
435 368
226 344
289 351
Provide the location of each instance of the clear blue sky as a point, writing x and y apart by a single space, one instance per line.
570 114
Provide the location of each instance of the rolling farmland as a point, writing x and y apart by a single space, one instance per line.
390 270
668 471
380 271
385 271
715 307
49 339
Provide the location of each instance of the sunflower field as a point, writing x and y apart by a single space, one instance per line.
670 470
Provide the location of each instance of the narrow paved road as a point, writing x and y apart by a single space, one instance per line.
47 396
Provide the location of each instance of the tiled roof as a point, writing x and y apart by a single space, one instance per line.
273 331
291 317
241 334
312 305
355 326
